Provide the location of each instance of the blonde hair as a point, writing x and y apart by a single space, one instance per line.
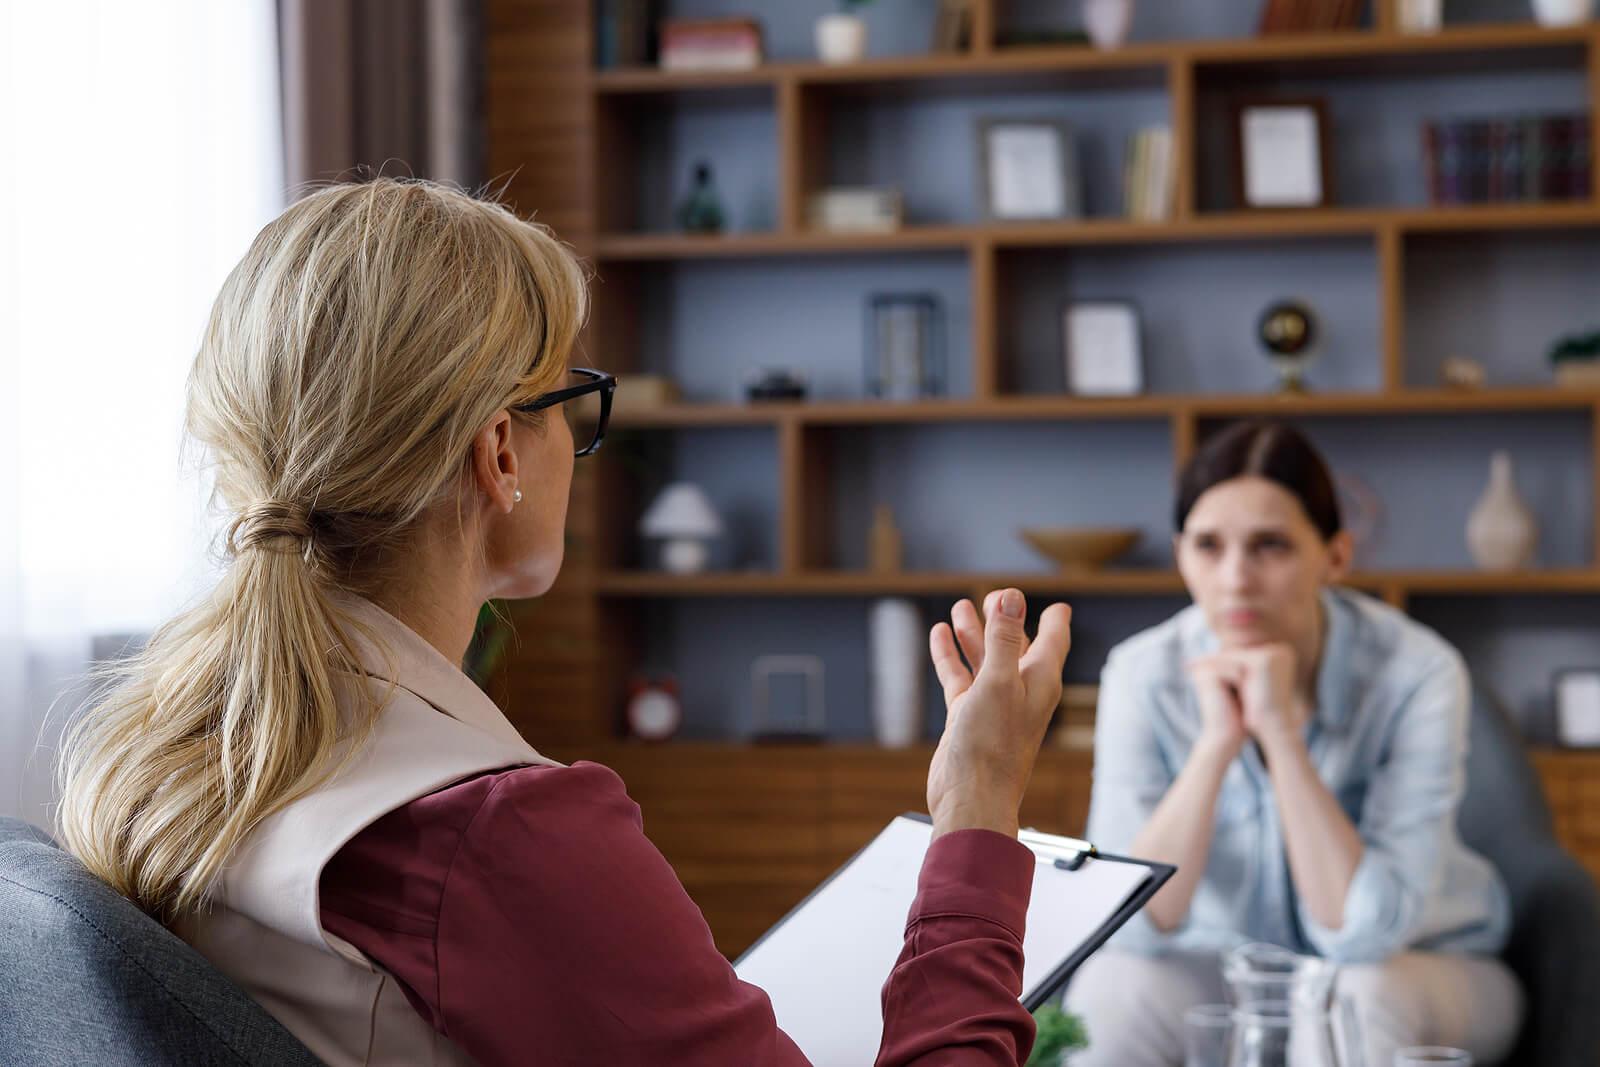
370 332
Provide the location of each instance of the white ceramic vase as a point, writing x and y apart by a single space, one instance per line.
1502 533
841 38
897 649
1562 12
1107 22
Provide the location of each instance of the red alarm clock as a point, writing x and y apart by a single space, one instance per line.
654 711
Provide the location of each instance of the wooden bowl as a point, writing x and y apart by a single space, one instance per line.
1082 548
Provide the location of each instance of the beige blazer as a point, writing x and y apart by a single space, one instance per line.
265 931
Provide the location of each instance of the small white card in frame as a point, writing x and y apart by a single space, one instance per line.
1578 708
1100 342
1282 152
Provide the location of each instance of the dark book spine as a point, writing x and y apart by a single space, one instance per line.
1511 165
1478 162
1496 185
1581 186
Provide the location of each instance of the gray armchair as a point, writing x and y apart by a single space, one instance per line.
1555 936
86 977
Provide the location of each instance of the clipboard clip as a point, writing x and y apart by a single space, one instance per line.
1064 853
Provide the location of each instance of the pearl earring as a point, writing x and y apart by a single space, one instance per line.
516 497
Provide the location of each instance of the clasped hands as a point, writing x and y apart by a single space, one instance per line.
1250 693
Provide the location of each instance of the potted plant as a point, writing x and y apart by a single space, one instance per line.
1059 1035
842 35
1576 360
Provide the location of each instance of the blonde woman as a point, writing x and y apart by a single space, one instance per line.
296 776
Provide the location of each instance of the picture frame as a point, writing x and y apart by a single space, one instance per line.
1575 696
775 719
905 346
1028 170
1282 153
1101 349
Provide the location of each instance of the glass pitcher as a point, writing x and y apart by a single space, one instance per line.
1277 1034
1289 1011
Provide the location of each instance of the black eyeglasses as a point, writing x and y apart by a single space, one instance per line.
589 381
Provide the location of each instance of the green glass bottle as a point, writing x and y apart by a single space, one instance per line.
701 210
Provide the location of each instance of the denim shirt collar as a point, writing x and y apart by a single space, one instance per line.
1334 681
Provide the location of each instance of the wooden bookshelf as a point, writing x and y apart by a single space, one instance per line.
1209 227
1062 408
1468 48
645 584
595 200
571 156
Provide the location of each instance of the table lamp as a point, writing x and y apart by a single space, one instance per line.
683 517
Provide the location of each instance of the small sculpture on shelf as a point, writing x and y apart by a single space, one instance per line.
885 547
1288 333
701 211
1459 372
776 385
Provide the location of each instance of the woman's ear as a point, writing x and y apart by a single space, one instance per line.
1341 555
494 462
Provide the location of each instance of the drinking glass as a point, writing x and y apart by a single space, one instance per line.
1207 1029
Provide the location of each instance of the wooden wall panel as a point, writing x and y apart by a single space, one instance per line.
752 830
539 119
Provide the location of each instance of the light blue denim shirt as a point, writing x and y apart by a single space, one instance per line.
1388 736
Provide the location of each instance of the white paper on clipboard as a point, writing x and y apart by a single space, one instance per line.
825 964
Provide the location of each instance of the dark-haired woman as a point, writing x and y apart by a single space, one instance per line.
1297 750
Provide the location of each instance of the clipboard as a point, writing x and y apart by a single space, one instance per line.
825 962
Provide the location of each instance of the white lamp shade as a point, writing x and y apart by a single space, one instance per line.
682 510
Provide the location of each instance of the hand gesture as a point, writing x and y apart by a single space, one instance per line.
996 711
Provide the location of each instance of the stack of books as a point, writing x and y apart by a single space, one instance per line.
1512 160
1310 16
711 44
1147 178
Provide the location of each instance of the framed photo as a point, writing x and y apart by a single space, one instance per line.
1100 348
1282 154
1028 169
1577 707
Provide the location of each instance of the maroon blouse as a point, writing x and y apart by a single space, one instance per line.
529 919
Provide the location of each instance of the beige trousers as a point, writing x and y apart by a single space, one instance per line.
1133 1006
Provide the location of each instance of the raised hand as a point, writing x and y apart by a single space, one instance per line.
996 711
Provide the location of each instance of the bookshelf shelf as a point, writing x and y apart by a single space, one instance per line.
1211 226
1064 408
1467 48
646 584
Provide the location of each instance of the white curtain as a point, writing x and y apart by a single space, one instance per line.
140 151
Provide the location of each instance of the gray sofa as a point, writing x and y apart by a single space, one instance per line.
1555 936
87 978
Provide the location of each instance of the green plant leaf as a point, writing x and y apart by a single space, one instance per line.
1058 1032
